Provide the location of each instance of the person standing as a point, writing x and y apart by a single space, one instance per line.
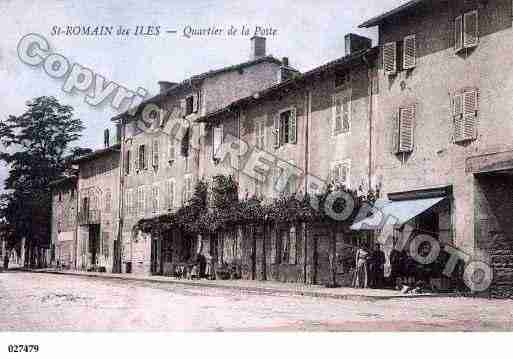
378 266
361 278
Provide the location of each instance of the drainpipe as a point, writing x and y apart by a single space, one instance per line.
370 113
121 196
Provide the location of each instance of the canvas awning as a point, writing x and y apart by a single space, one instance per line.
394 212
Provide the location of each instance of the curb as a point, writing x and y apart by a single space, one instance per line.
262 290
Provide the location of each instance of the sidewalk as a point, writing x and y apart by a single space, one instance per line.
266 287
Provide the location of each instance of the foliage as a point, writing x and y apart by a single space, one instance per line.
37 151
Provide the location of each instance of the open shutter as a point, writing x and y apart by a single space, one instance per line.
406 124
470 29
183 107
458 34
292 126
155 160
409 52
127 162
276 131
195 102
172 150
390 58
457 114
470 108
136 158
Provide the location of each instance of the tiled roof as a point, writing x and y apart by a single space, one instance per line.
259 96
379 19
96 154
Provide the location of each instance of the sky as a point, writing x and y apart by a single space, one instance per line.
309 33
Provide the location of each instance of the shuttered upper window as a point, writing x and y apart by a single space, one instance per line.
340 173
466 30
390 58
342 112
465 112
217 141
260 133
409 52
406 129
172 150
155 154
285 128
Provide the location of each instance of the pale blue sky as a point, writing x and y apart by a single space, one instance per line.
309 33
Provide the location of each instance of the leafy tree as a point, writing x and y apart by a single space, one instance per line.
36 151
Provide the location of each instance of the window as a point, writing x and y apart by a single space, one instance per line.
466 31
127 162
187 188
217 140
142 157
342 79
155 193
405 130
172 151
285 129
341 112
340 173
409 52
465 112
108 200
190 104
140 200
155 154
171 194
390 58
260 134
129 203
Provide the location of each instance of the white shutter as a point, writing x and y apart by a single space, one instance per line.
292 126
458 33
470 29
409 52
406 125
276 131
457 114
470 108
390 58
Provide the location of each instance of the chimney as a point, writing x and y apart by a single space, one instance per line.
165 85
257 47
106 138
286 72
356 43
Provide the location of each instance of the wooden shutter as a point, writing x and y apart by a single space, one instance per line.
346 111
409 52
470 108
390 58
470 29
183 107
337 114
136 158
458 33
406 124
276 131
155 161
127 162
457 114
292 126
195 102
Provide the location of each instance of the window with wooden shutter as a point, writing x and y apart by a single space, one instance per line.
217 140
155 199
142 157
292 122
409 52
276 131
470 29
260 134
155 154
171 194
457 115
337 114
342 112
406 127
470 110
183 107
458 33
172 150
390 58
195 102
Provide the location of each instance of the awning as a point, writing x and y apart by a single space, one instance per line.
394 212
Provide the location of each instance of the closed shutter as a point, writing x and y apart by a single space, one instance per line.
276 131
390 58
470 109
458 34
292 255
337 114
470 29
409 52
292 126
155 161
406 125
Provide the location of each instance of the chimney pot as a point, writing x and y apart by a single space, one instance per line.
257 47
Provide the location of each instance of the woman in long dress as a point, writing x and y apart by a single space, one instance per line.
361 278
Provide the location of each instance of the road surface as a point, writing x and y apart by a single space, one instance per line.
46 302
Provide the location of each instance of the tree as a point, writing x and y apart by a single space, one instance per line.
37 151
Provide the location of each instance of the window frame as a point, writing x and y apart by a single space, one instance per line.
342 95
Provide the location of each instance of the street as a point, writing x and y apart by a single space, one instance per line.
46 302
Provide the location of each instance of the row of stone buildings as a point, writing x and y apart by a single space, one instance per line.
424 117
